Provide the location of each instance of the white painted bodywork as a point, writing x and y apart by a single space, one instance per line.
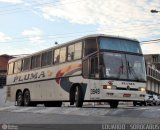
45 86
42 89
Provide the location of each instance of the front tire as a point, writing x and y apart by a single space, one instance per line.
78 96
113 104
134 103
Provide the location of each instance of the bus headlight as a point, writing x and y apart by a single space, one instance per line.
142 89
109 87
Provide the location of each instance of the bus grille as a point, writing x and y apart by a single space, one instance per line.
132 89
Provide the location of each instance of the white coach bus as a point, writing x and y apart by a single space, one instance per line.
95 68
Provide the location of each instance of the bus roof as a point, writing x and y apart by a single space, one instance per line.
72 41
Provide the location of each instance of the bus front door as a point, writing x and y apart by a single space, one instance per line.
94 78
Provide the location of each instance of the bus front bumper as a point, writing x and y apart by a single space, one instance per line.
124 95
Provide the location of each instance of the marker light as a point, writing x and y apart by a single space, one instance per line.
107 87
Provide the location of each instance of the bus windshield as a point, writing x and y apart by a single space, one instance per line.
124 66
120 45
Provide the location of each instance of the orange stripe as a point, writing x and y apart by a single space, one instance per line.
67 69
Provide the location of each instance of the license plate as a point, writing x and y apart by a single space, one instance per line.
126 95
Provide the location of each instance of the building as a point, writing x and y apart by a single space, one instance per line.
153 73
3 68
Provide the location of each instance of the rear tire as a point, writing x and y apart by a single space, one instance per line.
19 99
26 98
113 104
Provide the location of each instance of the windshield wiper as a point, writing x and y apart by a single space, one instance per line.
131 71
120 71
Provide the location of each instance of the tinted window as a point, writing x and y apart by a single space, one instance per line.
124 66
26 64
90 46
120 45
17 66
94 65
47 58
36 61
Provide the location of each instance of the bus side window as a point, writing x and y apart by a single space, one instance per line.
56 56
90 46
36 61
17 66
78 50
62 55
70 56
26 64
10 68
46 58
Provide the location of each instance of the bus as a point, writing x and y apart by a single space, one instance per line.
94 68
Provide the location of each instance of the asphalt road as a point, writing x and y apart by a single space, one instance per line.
81 116
71 118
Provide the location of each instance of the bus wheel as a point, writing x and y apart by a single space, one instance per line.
113 104
134 103
78 96
19 99
141 103
26 98
144 103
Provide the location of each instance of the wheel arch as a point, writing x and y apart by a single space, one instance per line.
26 89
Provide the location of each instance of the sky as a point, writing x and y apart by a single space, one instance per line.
28 26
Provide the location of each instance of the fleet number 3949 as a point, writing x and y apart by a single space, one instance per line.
95 91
